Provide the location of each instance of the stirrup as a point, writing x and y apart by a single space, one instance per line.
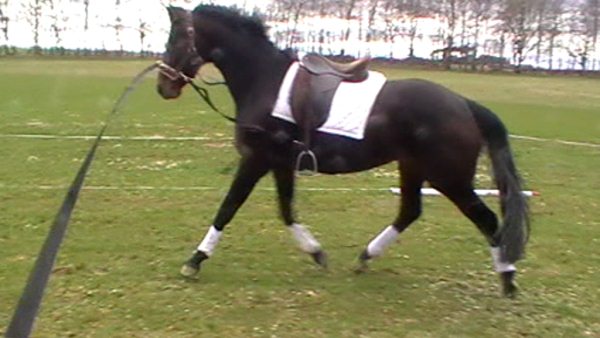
313 160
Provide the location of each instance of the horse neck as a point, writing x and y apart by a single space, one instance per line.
253 76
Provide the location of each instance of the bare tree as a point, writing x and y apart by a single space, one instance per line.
450 12
390 15
58 19
593 9
583 29
289 11
518 20
322 8
549 24
346 10
86 11
118 25
554 25
32 9
372 6
412 11
4 20
143 29
400 18
480 11
447 10
463 19
540 27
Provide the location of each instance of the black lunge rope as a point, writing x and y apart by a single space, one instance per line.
24 316
26 311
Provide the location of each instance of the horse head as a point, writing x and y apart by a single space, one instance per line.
181 61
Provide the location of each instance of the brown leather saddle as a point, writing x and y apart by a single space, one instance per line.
313 90
355 71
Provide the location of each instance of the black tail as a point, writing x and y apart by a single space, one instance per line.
514 232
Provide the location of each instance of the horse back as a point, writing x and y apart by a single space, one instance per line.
423 120
418 107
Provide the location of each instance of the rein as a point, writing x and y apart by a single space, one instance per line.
174 75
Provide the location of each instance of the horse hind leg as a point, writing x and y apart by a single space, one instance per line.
486 221
410 210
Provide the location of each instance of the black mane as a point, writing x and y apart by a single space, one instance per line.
231 17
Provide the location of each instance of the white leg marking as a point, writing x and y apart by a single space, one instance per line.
210 241
382 241
500 266
306 241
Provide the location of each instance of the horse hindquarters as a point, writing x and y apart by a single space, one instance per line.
454 180
442 134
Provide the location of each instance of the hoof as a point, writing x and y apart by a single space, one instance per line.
509 288
362 263
192 266
188 271
320 257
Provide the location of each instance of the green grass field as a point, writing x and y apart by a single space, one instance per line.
117 272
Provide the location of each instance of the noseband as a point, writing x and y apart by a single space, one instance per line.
175 74
172 73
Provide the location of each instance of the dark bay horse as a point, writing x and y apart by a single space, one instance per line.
432 133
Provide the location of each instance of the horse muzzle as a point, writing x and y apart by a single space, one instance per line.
168 91
171 80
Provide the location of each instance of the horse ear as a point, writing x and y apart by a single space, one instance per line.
170 11
174 12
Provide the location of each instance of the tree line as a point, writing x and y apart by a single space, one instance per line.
526 28
538 28
51 17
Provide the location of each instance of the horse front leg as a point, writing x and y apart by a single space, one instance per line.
285 181
249 172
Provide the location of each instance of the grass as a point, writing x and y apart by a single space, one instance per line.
116 274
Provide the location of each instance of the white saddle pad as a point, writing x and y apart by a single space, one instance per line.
350 108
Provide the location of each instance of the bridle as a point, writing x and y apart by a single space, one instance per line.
172 73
